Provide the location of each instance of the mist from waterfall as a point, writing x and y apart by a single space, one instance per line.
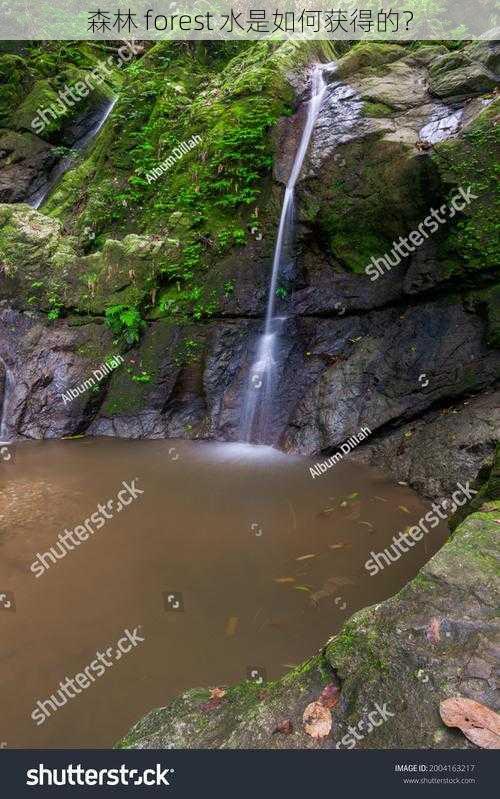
261 381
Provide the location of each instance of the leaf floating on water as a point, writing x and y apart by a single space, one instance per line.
326 511
317 720
353 496
336 546
330 695
284 579
286 727
306 557
404 508
368 524
479 723
381 499
343 504
231 626
302 588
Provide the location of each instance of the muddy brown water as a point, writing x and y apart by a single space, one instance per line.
264 562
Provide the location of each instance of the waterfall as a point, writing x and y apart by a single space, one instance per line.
7 384
68 161
260 385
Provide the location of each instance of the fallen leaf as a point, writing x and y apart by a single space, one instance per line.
306 557
479 723
317 720
330 695
326 511
284 579
231 625
286 727
217 693
211 704
404 508
433 632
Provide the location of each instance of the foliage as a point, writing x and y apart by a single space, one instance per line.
125 322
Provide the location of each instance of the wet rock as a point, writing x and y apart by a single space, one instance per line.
459 74
400 86
25 163
367 385
43 364
436 451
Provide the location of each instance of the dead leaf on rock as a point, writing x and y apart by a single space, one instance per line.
217 693
330 695
317 720
433 632
479 723
286 727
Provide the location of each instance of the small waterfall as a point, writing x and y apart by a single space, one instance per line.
7 384
68 161
260 385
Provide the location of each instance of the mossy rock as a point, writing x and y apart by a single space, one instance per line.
44 269
466 161
459 75
377 193
368 54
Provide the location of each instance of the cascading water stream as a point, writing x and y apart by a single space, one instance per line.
66 163
7 384
261 380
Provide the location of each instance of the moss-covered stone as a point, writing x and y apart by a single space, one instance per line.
459 75
466 161
44 269
368 54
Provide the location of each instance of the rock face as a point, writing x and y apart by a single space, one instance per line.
411 352
395 662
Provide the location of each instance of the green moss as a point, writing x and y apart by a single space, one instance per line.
377 110
207 200
368 54
377 192
473 241
31 83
